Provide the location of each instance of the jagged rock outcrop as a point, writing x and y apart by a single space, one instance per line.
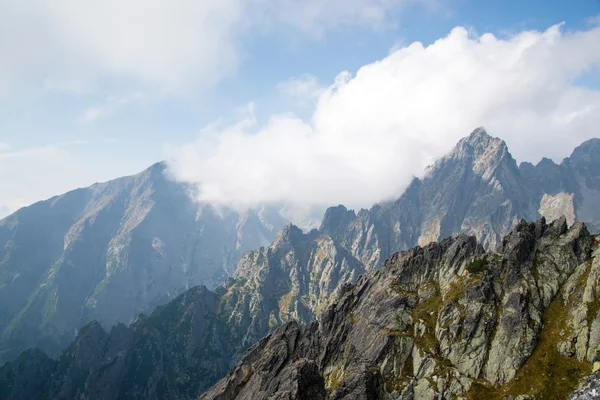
110 251
573 185
444 321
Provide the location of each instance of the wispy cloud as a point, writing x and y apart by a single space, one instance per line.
595 20
76 46
109 107
46 152
302 89
5 146
53 151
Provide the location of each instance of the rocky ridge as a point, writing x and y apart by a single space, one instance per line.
446 320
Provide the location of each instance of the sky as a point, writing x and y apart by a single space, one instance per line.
258 101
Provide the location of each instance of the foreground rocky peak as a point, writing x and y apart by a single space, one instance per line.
446 320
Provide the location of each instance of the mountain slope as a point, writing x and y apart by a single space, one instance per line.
184 347
442 321
180 348
110 251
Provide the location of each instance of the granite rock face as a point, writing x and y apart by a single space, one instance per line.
110 251
443 321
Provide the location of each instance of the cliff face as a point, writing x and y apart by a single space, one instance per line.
444 320
293 279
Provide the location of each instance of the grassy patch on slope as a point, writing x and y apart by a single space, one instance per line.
547 374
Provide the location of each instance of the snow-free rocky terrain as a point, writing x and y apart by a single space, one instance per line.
444 321
110 251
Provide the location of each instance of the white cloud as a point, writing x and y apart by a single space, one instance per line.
168 46
5 146
371 133
71 44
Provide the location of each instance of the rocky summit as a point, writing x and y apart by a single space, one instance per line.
445 321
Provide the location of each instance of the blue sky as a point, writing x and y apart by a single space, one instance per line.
68 119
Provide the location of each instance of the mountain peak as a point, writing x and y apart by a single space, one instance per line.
479 148
480 140
589 147
479 135
288 233
336 220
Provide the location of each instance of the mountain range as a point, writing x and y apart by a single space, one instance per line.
444 321
111 251
108 252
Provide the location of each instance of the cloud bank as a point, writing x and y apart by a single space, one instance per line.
371 133
166 46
